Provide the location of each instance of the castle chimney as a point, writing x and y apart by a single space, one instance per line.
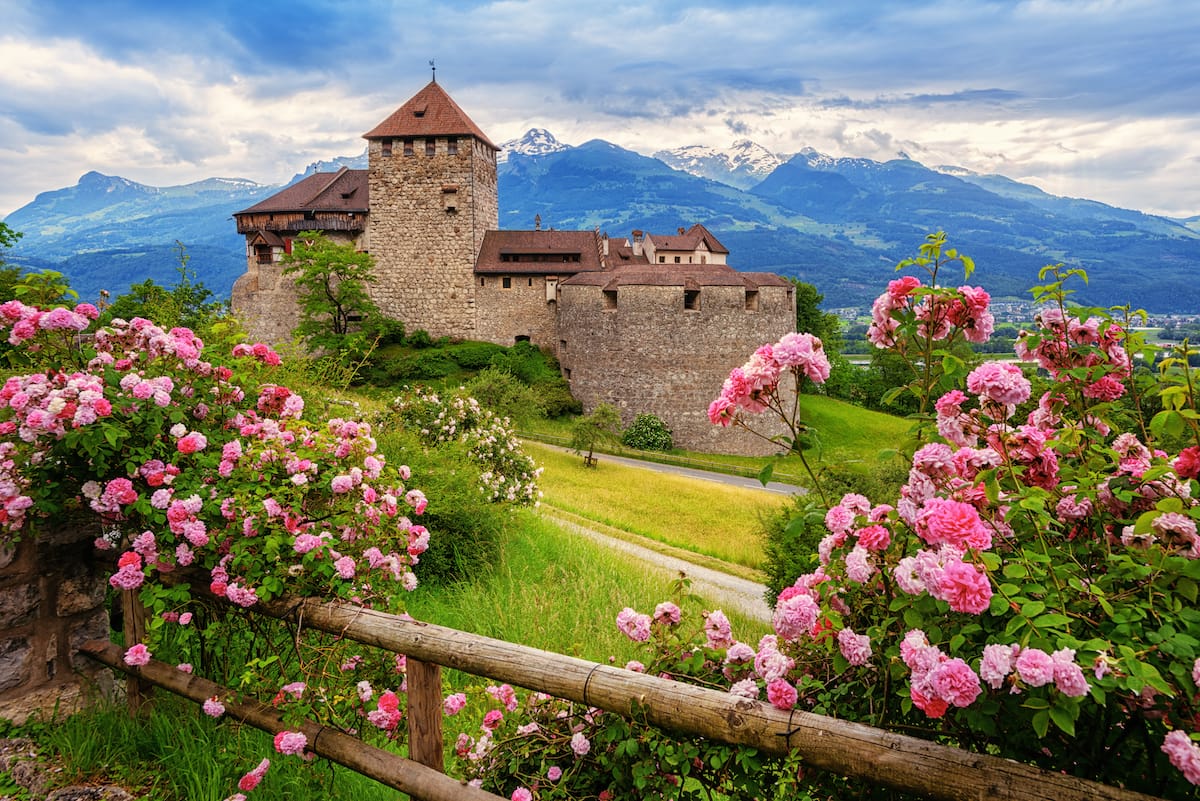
604 242
681 230
637 243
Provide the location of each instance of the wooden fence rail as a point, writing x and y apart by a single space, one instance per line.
419 781
876 756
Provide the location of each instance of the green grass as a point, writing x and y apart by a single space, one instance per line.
843 434
549 589
708 518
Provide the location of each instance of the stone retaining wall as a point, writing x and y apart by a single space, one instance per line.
52 599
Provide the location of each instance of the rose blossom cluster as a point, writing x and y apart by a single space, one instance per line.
755 386
939 313
25 322
1068 347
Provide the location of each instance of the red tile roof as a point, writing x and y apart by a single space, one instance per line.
548 244
430 112
689 240
689 276
344 190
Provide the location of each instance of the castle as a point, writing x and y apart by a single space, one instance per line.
648 324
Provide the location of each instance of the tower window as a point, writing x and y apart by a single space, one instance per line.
506 282
610 299
386 147
483 282
452 147
531 282
677 260
691 299
408 147
430 147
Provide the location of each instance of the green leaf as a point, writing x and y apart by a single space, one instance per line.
1041 723
1062 719
764 475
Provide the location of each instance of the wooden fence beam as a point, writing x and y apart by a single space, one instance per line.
420 782
877 756
425 714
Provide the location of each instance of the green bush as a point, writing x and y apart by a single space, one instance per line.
527 363
427 364
554 398
465 528
648 433
474 355
502 393
419 339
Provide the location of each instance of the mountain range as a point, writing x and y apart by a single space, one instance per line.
838 223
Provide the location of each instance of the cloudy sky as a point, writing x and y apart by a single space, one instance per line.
1087 98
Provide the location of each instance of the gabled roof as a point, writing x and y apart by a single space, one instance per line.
550 245
430 112
688 276
689 240
344 190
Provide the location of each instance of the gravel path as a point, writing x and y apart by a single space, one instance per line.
723 590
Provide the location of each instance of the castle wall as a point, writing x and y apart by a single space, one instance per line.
650 354
266 301
522 310
428 217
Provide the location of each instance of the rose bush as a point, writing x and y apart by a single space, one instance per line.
200 465
1031 592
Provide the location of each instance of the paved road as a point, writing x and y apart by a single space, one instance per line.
724 591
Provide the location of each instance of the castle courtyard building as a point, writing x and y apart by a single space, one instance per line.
650 324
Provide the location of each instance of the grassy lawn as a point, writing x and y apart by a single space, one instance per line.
843 434
701 516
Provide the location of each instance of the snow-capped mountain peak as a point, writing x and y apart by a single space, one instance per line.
743 164
535 142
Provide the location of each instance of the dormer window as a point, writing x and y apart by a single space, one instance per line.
419 112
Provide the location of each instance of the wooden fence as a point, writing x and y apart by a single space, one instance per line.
872 755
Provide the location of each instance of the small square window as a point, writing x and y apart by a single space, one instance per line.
506 282
691 299
677 260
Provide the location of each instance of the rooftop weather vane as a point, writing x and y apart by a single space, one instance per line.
432 67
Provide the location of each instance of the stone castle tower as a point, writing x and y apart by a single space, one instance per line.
432 188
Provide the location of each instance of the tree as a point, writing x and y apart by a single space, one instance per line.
825 326
188 303
602 425
8 238
332 280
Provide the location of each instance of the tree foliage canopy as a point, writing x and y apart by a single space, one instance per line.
332 279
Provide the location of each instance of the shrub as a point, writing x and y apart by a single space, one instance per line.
503 394
528 363
474 355
554 398
647 432
423 365
419 339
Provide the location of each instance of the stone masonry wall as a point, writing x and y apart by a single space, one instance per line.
521 310
649 354
266 301
52 593
425 254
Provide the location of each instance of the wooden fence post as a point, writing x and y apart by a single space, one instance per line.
137 692
425 744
